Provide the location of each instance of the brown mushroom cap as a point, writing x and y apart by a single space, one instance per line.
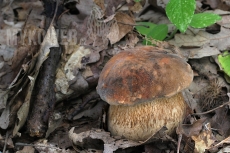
141 75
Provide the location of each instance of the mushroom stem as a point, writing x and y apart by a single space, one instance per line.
141 121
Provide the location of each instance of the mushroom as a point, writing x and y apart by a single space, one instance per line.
143 87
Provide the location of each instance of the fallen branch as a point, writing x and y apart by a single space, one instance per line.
44 90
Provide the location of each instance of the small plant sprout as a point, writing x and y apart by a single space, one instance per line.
224 60
182 14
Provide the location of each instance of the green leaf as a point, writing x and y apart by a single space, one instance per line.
159 32
142 27
225 62
203 20
180 13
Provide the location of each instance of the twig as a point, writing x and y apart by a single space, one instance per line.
172 34
211 109
59 17
6 139
44 101
34 145
179 142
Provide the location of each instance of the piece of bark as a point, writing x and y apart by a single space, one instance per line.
45 95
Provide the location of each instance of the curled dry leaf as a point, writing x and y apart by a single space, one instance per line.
97 29
204 140
189 99
27 48
54 121
44 146
123 25
191 129
23 110
4 119
6 114
3 98
74 62
110 144
72 76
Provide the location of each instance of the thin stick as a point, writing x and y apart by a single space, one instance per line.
211 109
6 139
179 142
34 145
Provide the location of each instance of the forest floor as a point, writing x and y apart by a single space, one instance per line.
51 57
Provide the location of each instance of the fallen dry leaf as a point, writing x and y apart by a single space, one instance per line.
224 150
137 7
79 71
49 41
131 40
204 66
100 3
220 40
4 119
9 142
110 144
200 52
94 112
221 121
47 147
112 6
204 140
191 129
54 122
73 73
123 25
226 140
23 111
5 116
212 3
27 47
27 149
160 3
225 21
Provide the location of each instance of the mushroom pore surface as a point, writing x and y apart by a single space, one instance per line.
140 122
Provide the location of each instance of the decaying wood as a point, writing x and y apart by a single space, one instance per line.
44 101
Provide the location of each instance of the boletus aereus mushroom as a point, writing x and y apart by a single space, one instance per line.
143 87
